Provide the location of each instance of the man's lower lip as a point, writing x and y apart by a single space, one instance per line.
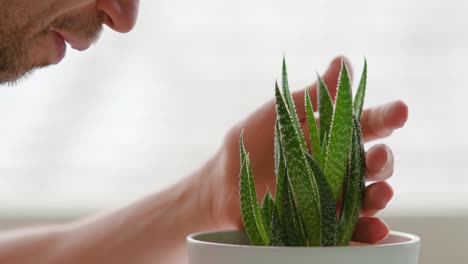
60 46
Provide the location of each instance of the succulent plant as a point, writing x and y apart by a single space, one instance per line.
318 191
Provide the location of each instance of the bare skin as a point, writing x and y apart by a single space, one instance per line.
32 32
153 229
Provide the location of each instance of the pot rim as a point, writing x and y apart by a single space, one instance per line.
193 238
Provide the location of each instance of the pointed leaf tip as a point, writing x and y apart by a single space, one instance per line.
325 108
266 211
361 93
300 175
341 130
314 135
291 106
250 210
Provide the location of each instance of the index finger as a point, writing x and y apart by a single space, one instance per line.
380 121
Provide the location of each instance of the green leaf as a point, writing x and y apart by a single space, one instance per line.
292 107
325 106
324 146
345 191
277 149
352 199
361 92
278 236
291 219
341 129
328 223
281 197
313 131
267 211
300 175
248 201
280 170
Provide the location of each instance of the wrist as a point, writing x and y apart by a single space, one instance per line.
204 188
220 185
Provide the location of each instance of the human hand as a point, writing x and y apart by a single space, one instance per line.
377 122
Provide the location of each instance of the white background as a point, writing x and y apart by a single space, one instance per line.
139 111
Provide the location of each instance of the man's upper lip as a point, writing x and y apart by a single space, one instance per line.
75 42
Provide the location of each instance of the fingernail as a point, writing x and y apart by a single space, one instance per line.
398 111
389 158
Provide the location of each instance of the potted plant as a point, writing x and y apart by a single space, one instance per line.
302 224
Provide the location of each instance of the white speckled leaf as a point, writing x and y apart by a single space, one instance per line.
324 146
278 236
300 175
267 211
361 92
325 106
292 107
280 170
313 130
353 195
291 219
250 210
328 222
341 130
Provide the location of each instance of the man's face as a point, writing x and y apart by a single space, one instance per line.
33 33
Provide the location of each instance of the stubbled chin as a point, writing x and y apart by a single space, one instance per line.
47 50
41 52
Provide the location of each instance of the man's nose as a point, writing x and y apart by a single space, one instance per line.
121 14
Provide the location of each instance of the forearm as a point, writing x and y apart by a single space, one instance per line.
32 245
152 230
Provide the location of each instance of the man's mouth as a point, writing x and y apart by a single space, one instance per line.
61 47
75 42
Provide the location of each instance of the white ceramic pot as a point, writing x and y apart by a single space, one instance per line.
232 247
